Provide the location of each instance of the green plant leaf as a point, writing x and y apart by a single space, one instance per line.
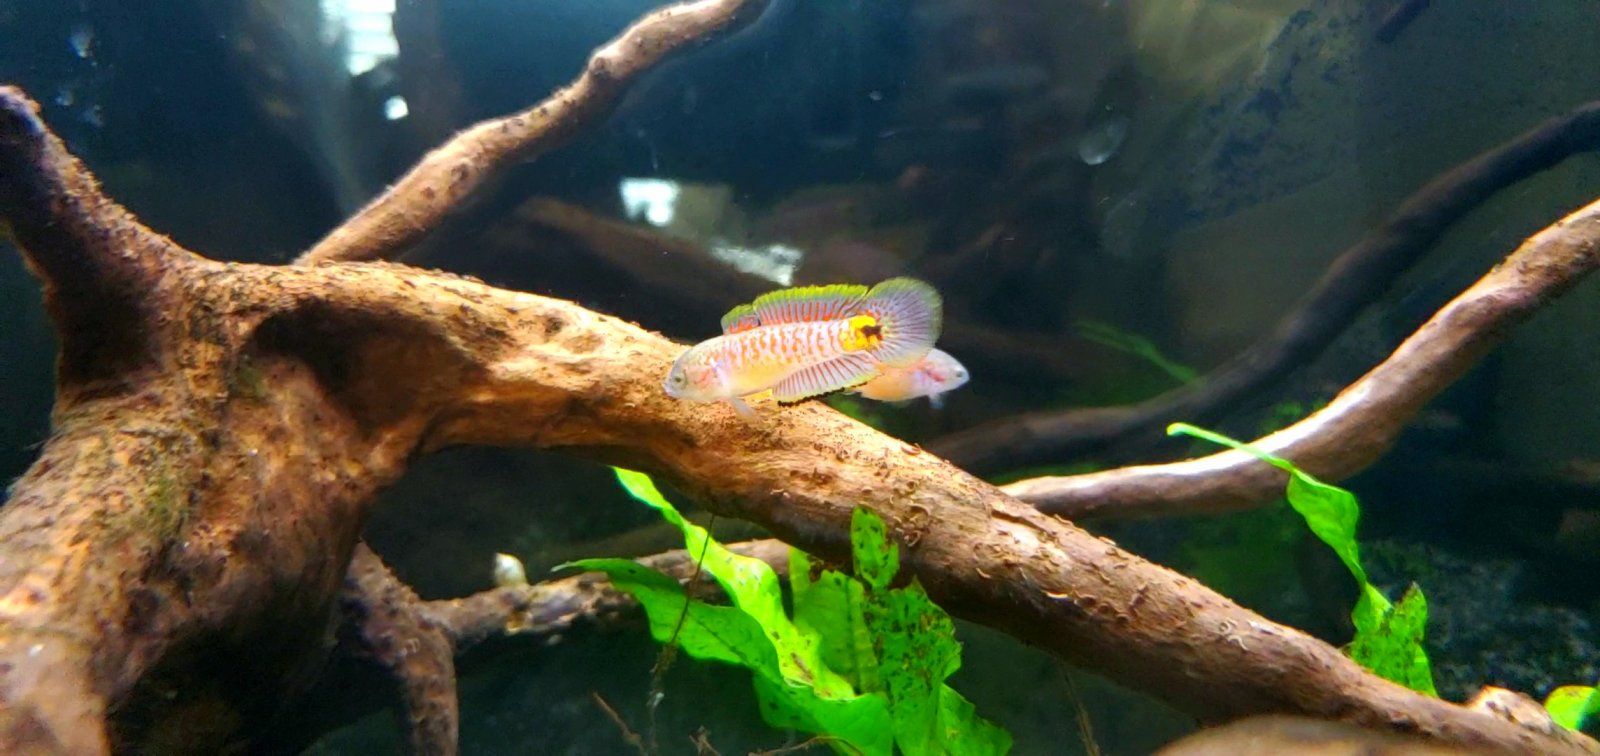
754 589
917 652
1109 335
860 663
727 634
1393 648
831 606
877 559
716 633
1571 705
1388 639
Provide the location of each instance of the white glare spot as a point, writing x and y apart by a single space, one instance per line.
656 200
1103 139
365 28
509 572
395 108
774 262
82 40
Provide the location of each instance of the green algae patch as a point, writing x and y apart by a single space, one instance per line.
167 509
1388 638
247 380
860 665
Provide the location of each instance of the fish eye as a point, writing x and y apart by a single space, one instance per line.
678 379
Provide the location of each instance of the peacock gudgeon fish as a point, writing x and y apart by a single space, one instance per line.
932 376
810 340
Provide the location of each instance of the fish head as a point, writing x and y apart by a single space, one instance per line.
943 371
694 379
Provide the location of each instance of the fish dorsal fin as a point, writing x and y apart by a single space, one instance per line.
741 318
807 304
842 372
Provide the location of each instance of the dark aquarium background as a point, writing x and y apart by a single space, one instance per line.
1113 196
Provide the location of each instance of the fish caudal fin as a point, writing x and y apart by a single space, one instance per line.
908 315
842 372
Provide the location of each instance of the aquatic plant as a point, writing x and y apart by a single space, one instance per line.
1122 340
1572 705
1388 637
861 664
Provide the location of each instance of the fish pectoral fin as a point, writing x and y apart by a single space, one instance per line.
842 372
739 407
936 401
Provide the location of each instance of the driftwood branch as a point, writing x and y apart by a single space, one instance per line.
211 505
391 641
444 179
1356 278
1361 423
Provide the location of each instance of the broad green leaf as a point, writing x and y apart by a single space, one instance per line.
831 607
715 633
1571 705
877 558
754 589
1388 639
860 725
1393 649
980 737
727 634
861 664
917 652
1332 513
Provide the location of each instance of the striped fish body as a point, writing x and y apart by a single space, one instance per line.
758 359
808 341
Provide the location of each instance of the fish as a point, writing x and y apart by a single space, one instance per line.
809 340
932 376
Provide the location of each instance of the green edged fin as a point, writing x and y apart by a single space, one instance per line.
741 318
806 304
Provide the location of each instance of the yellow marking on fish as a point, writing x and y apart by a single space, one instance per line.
861 332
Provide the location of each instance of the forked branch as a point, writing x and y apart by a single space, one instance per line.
1363 421
445 178
1355 279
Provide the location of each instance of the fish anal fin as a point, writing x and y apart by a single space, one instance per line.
839 373
807 304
